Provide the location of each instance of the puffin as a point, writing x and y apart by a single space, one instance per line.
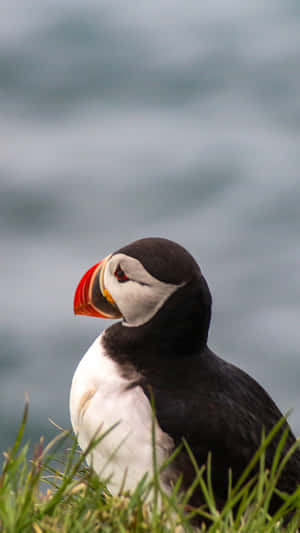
152 373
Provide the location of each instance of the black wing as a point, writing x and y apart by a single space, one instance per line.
219 409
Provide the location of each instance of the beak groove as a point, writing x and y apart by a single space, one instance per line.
91 298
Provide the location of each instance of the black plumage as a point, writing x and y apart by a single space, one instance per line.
214 405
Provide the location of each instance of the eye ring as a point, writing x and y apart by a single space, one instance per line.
120 275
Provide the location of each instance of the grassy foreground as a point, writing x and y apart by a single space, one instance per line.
56 492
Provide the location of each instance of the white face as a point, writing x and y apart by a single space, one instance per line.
141 296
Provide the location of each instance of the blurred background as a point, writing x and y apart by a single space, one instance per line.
121 120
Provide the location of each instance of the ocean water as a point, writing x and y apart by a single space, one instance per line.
122 120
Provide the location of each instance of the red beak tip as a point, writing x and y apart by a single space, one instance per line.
83 305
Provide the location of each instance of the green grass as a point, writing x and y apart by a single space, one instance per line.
55 492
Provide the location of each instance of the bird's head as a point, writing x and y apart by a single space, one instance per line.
137 280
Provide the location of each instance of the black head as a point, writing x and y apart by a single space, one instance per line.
163 297
166 260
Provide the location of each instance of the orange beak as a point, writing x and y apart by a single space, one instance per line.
91 298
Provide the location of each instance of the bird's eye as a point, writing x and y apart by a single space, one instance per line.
120 275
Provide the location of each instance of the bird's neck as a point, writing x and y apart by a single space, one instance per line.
178 330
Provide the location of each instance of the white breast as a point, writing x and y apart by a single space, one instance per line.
99 399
